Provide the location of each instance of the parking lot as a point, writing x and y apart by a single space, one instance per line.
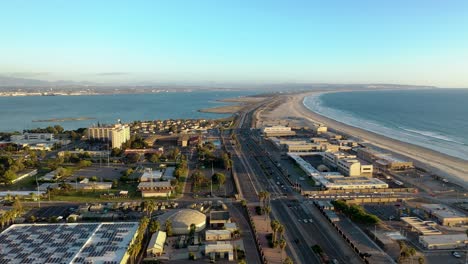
104 173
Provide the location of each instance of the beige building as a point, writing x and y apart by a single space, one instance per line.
353 167
156 244
117 134
272 131
383 160
348 164
444 241
446 215
155 189
216 235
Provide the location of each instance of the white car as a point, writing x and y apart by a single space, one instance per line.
456 254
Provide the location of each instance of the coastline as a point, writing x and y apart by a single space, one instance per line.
238 104
452 168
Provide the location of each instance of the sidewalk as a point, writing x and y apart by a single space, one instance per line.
263 228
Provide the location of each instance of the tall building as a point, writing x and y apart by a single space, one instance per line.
117 134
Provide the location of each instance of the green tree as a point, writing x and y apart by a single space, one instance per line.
275 224
288 260
154 226
154 158
168 225
9 177
84 163
282 245
219 178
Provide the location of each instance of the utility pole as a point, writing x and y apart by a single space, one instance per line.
38 195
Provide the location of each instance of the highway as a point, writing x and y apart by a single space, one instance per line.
257 171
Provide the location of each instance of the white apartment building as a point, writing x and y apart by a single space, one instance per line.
117 134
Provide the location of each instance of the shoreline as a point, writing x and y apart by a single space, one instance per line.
237 105
452 168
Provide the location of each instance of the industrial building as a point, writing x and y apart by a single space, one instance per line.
117 134
156 244
444 241
446 215
274 131
345 183
383 160
183 219
67 243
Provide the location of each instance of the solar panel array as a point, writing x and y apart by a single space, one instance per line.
66 243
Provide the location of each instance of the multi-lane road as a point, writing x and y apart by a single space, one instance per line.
255 171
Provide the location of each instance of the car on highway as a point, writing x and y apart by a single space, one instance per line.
456 254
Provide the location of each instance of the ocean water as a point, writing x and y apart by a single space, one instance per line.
436 119
18 113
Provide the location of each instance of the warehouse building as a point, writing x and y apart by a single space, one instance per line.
444 241
446 215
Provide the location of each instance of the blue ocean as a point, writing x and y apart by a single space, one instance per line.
436 119
18 113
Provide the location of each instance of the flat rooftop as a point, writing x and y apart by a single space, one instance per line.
443 211
66 243
423 227
342 180
445 239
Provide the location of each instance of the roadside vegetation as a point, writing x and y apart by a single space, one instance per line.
356 213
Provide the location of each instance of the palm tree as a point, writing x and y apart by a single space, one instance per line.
288 260
168 225
282 245
274 227
261 196
267 210
280 230
267 198
151 206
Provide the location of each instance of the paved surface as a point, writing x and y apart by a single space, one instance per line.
363 242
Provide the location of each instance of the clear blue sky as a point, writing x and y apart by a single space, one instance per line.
196 41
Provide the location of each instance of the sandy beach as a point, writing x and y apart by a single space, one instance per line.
239 104
290 109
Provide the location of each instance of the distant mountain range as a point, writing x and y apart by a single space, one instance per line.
25 85
6 81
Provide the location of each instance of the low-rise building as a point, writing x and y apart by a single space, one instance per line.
422 227
221 249
444 241
343 183
446 215
155 189
219 218
156 244
274 131
353 167
383 160
215 235
150 175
